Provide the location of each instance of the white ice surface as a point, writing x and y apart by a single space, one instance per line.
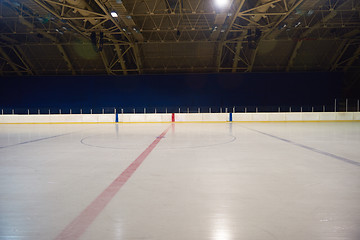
251 181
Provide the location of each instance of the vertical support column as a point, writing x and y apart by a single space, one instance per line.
335 106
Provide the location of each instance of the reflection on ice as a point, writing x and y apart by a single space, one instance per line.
221 229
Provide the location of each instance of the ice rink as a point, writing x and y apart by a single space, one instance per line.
219 181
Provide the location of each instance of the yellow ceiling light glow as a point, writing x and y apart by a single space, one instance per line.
221 3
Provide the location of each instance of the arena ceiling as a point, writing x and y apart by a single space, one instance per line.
121 37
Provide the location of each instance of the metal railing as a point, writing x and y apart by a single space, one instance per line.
339 105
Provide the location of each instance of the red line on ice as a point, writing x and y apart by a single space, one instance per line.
79 225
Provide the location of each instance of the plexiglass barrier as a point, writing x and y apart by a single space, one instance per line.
339 105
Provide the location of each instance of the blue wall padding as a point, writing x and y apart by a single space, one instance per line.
116 117
251 89
230 117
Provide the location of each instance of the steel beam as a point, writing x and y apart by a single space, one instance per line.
10 62
337 53
162 14
221 43
138 58
339 56
352 59
238 68
120 58
107 16
219 23
236 57
124 15
117 48
105 10
21 55
238 49
59 17
235 15
103 16
298 45
177 69
219 50
252 61
164 42
52 38
28 61
293 55
106 63
283 18
66 58
257 7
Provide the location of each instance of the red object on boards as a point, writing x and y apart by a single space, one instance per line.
173 117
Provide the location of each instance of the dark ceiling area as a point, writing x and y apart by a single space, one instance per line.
122 37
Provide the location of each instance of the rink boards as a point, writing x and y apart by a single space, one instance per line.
183 117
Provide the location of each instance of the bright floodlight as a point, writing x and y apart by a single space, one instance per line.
221 3
114 14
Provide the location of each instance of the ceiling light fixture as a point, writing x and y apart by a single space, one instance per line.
221 3
114 14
